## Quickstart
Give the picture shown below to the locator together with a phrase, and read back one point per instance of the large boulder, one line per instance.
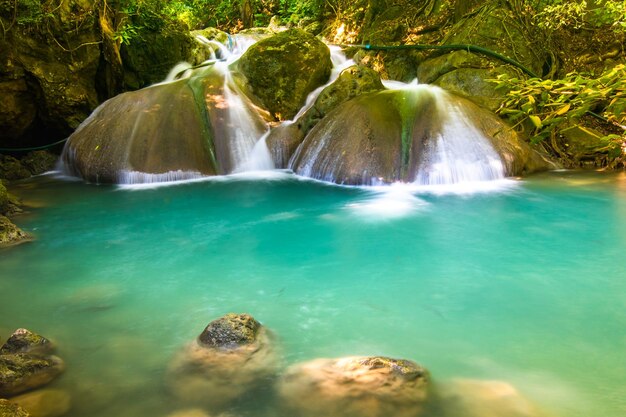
(352, 82)
(355, 387)
(22, 372)
(232, 356)
(283, 69)
(405, 135)
(25, 341)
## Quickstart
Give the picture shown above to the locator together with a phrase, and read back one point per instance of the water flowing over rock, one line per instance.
(355, 387)
(416, 133)
(22, 372)
(232, 356)
(187, 128)
(283, 69)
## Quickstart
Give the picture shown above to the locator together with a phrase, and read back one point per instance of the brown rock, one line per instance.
(355, 387)
(44, 403)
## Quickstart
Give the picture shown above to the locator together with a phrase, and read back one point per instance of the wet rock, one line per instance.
(232, 356)
(476, 398)
(38, 162)
(283, 69)
(8, 409)
(190, 412)
(355, 387)
(25, 341)
(22, 372)
(4, 198)
(396, 135)
(12, 169)
(44, 403)
(352, 82)
(10, 234)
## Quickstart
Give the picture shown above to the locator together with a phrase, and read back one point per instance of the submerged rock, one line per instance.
(8, 409)
(44, 403)
(25, 341)
(476, 398)
(22, 372)
(355, 387)
(231, 357)
(283, 69)
(417, 134)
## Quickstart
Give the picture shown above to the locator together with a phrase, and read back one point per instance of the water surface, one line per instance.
(525, 284)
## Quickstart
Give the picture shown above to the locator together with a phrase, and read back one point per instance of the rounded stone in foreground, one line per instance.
(233, 356)
(23, 341)
(44, 403)
(22, 372)
(355, 387)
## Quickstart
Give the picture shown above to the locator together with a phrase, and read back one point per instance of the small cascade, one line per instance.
(259, 158)
(340, 62)
(460, 153)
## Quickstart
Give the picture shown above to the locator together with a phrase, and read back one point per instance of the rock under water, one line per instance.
(233, 356)
(355, 387)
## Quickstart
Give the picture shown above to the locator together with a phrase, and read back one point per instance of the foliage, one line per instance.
(579, 14)
(552, 105)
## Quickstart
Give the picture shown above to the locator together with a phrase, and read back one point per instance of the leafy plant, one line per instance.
(550, 105)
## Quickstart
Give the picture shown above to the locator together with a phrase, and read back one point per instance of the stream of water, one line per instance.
(523, 283)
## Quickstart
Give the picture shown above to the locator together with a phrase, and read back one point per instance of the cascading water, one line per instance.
(458, 153)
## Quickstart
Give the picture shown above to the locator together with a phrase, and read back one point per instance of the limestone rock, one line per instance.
(25, 341)
(352, 82)
(283, 69)
(476, 398)
(44, 402)
(10, 234)
(12, 169)
(22, 372)
(8, 409)
(231, 357)
(4, 198)
(230, 331)
(391, 136)
(38, 162)
(355, 387)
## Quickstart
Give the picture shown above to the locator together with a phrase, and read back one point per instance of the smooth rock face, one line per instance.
(21, 372)
(231, 357)
(8, 409)
(395, 135)
(476, 398)
(44, 403)
(25, 341)
(355, 387)
(283, 69)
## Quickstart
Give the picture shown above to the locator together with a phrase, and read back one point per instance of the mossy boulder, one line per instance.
(233, 356)
(23, 371)
(4, 198)
(284, 68)
(352, 82)
(25, 341)
(170, 46)
(9, 409)
(230, 331)
(10, 234)
(355, 387)
(38, 162)
(399, 135)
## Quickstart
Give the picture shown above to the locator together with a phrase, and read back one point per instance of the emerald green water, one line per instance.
(526, 284)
